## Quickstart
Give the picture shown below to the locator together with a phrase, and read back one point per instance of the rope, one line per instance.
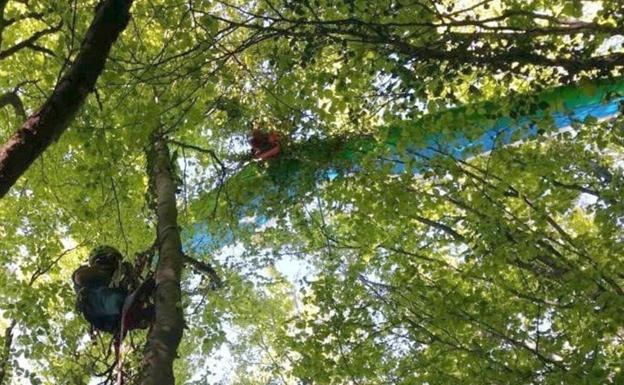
(119, 351)
(128, 303)
(119, 359)
(141, 263)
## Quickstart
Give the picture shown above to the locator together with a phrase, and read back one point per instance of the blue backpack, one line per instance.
(99, 294)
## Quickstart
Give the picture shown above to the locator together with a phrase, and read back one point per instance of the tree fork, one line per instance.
(52, 119)
(166, 332)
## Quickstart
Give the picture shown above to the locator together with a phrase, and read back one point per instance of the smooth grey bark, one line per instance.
(166, 332)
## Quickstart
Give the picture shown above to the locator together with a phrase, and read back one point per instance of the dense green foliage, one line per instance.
(506, 268)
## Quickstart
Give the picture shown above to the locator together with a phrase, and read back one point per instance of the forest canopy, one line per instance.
(329, 192)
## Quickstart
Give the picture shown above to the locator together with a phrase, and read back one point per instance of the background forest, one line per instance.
(331, 263)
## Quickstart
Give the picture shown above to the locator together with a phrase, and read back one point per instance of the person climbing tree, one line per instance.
(108, 287)
(264, 145)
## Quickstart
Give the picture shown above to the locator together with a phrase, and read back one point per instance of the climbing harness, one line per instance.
(115, 296)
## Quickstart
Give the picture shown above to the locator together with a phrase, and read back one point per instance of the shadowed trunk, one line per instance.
(166, 333)
(6, 352)
(46, 125)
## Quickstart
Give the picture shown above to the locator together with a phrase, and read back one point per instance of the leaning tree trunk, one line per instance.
(52, 119)
(166, 333)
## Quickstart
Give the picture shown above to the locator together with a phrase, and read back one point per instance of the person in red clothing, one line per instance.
(264, 145)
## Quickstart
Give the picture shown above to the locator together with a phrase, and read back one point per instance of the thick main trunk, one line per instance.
(54, 116)
(166, 332)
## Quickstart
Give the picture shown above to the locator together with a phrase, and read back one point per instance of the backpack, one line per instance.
(101, 306)
(100, 293)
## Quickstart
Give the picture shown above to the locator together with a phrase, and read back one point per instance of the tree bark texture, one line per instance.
(166, 332)
(52, 119)
(6, 352)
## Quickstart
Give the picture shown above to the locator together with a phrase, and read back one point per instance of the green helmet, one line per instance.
(105, 255)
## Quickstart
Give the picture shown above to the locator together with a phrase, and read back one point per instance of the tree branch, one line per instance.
(46, 125)
(6, 350)
(30, 42)
(14, 100)
(205, 268)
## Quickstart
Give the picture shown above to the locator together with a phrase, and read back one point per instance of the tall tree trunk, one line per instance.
(46, 125)
(6, 352)
(166, 333)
